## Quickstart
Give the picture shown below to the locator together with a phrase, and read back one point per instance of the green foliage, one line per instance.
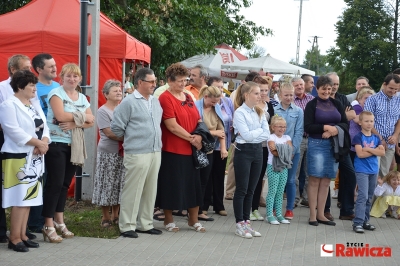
(316, 62)
(178, 29)
(364, 44)
(11, 5)
(255, 52)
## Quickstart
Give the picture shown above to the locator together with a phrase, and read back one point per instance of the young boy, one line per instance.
(368, 146)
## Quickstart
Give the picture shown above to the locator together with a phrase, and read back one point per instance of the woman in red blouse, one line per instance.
(178, 180)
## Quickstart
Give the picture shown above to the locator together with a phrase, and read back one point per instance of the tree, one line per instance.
(255, 52)
(11, 5)
(364, 46)
(178, 29)
(314, 61)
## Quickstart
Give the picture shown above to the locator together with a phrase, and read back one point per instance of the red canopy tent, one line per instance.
(48, 26)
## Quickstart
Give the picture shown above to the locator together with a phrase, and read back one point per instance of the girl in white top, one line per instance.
(276, 180)
(388, 193)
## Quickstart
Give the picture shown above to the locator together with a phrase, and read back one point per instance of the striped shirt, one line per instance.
(302, 102)
(386, 111)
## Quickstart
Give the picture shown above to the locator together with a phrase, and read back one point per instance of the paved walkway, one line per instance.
(294, 244)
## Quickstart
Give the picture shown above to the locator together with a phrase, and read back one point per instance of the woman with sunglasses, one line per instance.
(179, 180)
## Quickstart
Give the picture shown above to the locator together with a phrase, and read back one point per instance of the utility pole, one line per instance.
(298, 32)
(314, 45)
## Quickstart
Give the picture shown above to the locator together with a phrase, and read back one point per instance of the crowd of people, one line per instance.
(164, 152)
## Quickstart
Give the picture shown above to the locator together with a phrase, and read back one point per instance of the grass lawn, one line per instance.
(83, 219)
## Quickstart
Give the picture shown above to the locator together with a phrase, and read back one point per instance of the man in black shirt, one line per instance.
(347, 177)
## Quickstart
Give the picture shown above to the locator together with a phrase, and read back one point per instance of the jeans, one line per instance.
(59, 175)
(291, 183)
(366, 186)
(248, 161)
(258, 190)
(347, 185)
(302, 180)
(301, 174)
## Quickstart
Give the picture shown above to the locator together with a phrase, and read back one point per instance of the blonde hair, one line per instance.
(276, 118)
(364, 90)
(364, 113)
(242, 90)
(285, 85)
(391, 175)
(209, 91)
(73, 69)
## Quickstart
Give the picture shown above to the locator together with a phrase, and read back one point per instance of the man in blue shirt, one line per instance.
(385, 106)
(45, 66)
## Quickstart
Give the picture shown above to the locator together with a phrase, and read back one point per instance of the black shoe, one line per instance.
(30, 235)
(209, 219)
(130, 234)
(4, 239)
(35, 230)
(315, 223)
(152, 231)
(326, 222)
(19, 247)
(30, 244)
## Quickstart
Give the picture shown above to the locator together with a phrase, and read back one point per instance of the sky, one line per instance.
(282, 16)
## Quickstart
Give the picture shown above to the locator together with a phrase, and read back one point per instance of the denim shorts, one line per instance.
(320, 160)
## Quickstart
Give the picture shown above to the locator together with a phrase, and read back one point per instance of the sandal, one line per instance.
(368, 226)
(159, 216)
(115, 220)
(171, 227)
(106, 223)
(47, 233)
(63, 230)
(197, 227)
(179, 213)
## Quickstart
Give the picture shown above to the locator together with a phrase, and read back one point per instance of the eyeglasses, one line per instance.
(188, 101)
(281, 127)
(150, 81)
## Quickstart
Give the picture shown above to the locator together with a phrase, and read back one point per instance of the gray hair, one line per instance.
(141, 75)
(109, 84)
(295, 79)
(13, 62)
(332, 74)
(203, 70)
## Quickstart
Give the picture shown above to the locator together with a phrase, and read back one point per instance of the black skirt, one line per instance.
(179, 186)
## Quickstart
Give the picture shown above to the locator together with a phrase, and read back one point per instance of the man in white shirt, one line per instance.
(360, 82)
(15, 63)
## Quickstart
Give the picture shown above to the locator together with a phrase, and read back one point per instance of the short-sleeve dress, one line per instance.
(179, 185)
(110, 171)
(22, 172)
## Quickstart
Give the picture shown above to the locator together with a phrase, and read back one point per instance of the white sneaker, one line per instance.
(256, 214)
(252, 217)
(383, 216)
(272, 220)
(251, 230)
(242, 231)
(282, 220)
(335, 194)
